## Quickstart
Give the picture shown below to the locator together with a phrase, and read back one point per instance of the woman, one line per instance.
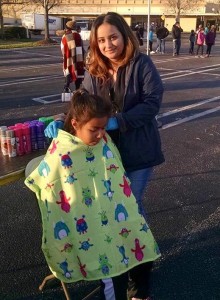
(210, 40)
(116, 69)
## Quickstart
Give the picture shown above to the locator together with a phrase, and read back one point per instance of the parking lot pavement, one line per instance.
(182, 199)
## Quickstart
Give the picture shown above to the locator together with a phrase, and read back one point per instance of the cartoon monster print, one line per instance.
(104, 218)
(61, 230)
(87, 197)
(67, 248)
(43, 169)
(66, 161)
(85, 245)
(126, 187)
(64, 267)
(156, 248)
(30, 180)
(92, 173)
(64, 201)
(121, 213)
(70, 178)
(124, 232)
(139, 254)
(81, 225)
(112, 168)
(106, 152)
(125, 259)
(89, 154)
(53, 146)
(104, 264)
(108, 239)
(47, 208)
(49, 185)
(144, 227)
(81, 267)
(109, 193)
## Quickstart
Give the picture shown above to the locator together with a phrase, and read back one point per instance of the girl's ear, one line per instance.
(74, 123)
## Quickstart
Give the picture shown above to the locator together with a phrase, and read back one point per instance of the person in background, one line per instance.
(207, 28)
(90, 201)
(138, 35)
(200, 39)
(151, 39)
(192, 38)
(176, 34)
(118, 71)
(73, 56)
(210, 40)
(162, 32)
(141, 30)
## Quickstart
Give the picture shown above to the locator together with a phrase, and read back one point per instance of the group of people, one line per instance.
(162, 33)
(200, 38)
(197, 38)
(100, 162)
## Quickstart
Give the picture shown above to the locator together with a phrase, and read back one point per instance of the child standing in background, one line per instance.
(200, 39)
(91, 225)
(192, 39)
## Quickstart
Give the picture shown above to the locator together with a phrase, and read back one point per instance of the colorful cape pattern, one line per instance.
(91, 225)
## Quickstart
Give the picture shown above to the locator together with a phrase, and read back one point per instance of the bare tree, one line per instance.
(1, 20)
(47, 5)
(178, 7)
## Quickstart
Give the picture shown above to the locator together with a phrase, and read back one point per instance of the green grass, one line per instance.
(17, 43)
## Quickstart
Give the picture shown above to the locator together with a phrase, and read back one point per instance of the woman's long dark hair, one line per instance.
(98, 65)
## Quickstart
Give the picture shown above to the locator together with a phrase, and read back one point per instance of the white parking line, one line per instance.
(172, 59)
(177, 110)
(212, 74)
(32, 67)
(187, 119)
(41, 99)
(26, 80)
(190, 72)
(174, 72)
(36, 53)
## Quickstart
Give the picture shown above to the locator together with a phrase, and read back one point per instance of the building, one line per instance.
(134, 11)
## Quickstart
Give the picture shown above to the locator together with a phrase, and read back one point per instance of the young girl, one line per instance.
(200, 39)
(91, 225)
(192, 39)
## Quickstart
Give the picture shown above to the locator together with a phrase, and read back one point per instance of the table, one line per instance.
(12, 168)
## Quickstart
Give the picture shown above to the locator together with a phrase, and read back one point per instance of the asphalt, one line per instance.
(182, 199)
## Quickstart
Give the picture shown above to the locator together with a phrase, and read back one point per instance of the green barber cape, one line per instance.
(91, 225)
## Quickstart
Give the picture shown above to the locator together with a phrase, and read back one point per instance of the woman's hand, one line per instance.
(51, 130)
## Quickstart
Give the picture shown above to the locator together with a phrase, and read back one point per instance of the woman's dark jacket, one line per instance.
(210, 37)
(142, 90)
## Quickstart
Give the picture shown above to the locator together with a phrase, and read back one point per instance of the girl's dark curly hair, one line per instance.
(84, 107)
